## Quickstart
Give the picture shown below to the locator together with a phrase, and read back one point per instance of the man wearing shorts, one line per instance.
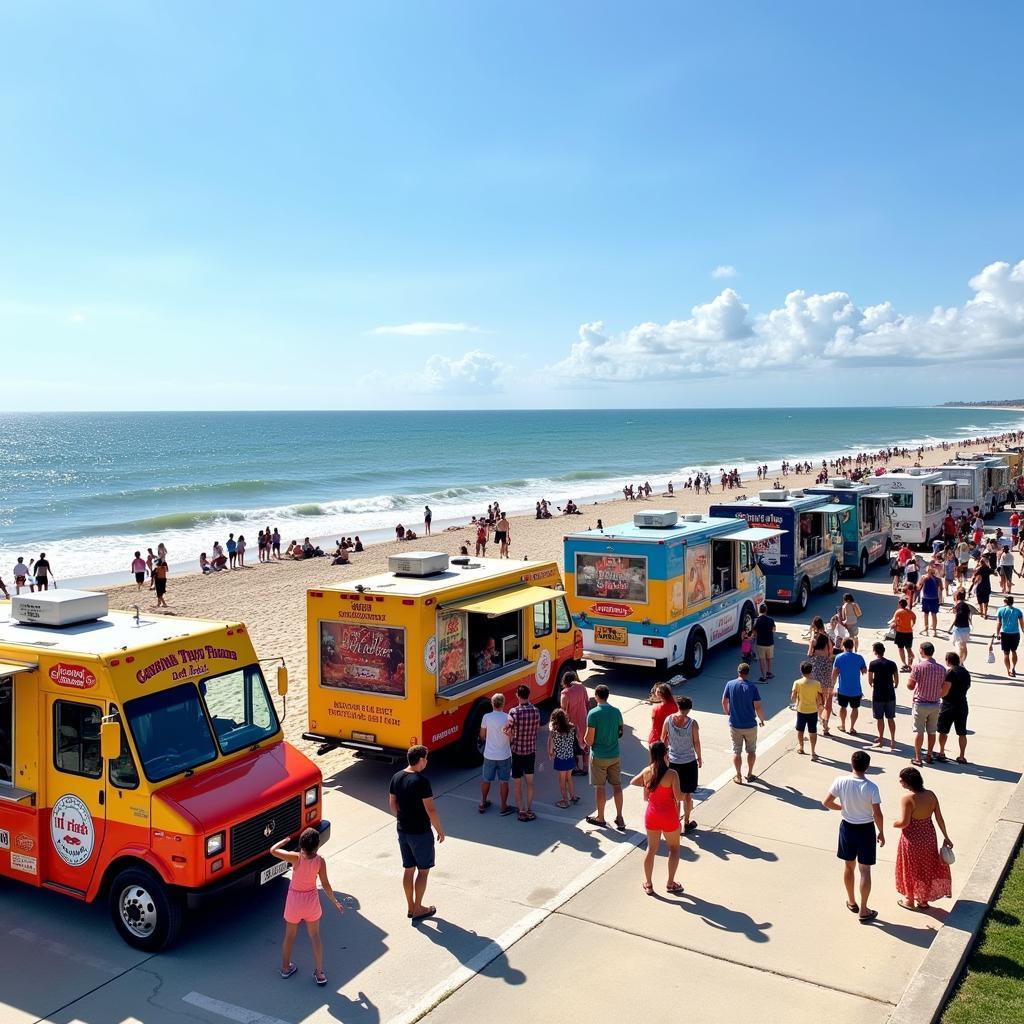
(928, 683)
(411, 800)
(521, 730)
(902, 623)
(741, 701)
(497, 754)
(21, 577)
(953, 713)
(1008, 621)
(604, 730)
(846, 671)
(42, 570)
(764, 638)
(860, 831)
(883, 678)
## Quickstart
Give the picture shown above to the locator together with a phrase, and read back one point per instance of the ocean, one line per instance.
(91, 488)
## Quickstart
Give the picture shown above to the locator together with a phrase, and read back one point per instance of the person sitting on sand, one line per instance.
(399, 532)
(358, 544)
(204, 564)
(410, 535)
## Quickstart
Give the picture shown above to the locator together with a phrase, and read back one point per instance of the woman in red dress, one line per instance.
(664, 706)
(921, 873)
(661, 791)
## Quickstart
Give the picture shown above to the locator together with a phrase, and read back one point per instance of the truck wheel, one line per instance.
(469, 752)
(146, 913)
(863, 568)
(746, 621)
(888, 550)
(833, 579)
(803, 596)
(696, 654)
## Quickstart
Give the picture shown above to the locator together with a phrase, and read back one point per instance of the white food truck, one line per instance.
(919, 499)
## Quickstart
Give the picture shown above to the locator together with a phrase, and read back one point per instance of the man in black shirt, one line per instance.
(953, 713)
(764, 638)
(883, 678)
(412, 802)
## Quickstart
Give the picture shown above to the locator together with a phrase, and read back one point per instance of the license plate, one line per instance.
(611, 635)
(273, 871)
(364, 737)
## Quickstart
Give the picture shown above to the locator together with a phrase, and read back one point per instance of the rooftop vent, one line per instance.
(657, 519)
(418, 563)
(692, 517)
(840, 482)
(58, 607)
(774, 495)
(797, 494)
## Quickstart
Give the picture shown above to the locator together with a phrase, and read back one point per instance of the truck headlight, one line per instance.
(215, 844)
(311, 795)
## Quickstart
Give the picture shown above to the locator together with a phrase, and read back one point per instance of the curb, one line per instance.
(926, 996)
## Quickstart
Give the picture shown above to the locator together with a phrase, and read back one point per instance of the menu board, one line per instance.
(613, 577)
(452, 649)
(366, 658)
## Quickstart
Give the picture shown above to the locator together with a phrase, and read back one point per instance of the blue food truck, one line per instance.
(867, 530)
(808, 555)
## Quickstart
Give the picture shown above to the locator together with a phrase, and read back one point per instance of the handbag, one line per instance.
(947, 855)
(890, 634)
(991, 653)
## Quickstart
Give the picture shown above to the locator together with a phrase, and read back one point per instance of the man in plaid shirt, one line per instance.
(523, 723)
(928, 684)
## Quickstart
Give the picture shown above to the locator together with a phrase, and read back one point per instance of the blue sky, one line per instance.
(467, 204)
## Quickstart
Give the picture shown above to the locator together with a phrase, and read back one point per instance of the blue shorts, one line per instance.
(883, 709)
(808, 720)
(417, 849)
(500, 771)
(929, 605)
(857, 842)
(564, 764)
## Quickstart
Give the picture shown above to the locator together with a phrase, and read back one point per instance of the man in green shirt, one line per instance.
(604, 730)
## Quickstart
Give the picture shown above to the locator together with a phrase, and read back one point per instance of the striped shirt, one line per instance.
(523, 723)
(928, 677)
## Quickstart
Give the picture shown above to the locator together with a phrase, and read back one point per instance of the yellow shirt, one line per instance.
(806, 691)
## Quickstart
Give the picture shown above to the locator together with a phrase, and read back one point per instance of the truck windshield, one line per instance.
(171, 732)
(240, 708)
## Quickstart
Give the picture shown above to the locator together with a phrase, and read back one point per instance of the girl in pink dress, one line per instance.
(303, 902)
(921, 873)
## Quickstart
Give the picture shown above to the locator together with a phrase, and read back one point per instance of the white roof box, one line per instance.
(777, 494)
(418, 563)
(58, 607)
(839, 482)
(656, 519)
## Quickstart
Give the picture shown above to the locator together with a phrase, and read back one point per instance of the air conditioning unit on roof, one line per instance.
(840, 481)
(656, 519)
(773, 495)
(58, 607)
(418, 563)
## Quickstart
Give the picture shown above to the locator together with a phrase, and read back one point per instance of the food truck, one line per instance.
(807, 555)
(1014, 456)
(919, 501)
(413, 655)
(867, 529)
(661, 591)
(141, 760)
(997, 477)
(971, 479)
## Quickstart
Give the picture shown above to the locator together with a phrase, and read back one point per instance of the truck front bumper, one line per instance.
(248, 876)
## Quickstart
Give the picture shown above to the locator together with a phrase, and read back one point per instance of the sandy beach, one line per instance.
(270, 597)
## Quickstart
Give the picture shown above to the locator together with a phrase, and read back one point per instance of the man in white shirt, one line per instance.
(860, 803)
(497, 754)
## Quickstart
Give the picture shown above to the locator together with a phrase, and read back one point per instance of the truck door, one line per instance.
(835, 531)
(19, 818)
(543, 653)
(76, 790)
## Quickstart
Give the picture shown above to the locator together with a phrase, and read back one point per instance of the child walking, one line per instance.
(562, 751)
(806, 695)
(303, 903)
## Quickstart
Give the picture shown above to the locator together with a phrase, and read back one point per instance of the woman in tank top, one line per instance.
(681, 736)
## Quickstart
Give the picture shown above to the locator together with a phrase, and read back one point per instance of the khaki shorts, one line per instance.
(604, 770)
(926, 718)
(765, 650)
(741, 737)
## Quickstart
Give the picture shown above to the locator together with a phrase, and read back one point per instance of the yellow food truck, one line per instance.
(413, 655)
(141, 760)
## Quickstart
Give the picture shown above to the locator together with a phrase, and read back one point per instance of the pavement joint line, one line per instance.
(239, 1014)
(728, 960)
(508, 938)
(96, 988)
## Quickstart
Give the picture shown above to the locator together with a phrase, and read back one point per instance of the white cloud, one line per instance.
(473, 371)
(426, 328)
(722, 337)
(724, 270)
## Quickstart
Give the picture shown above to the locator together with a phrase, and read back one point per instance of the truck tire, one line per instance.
(862, 569)
(469, 753)
(803, 596)
(696, 653)
(888, 550)
(833, 579)
(146, 912)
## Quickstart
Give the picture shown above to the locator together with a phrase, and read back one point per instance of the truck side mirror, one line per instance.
(110, 740)
(282, 680)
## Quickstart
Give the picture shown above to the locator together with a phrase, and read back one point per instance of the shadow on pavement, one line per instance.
(723, 919)
(726, 846)
(465, 945)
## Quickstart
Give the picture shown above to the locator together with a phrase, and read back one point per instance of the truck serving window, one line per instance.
(903, 499)
(240, 708)
(170, 730)
(76, 746)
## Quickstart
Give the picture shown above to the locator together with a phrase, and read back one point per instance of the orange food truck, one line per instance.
(413, 655)
(141, 760)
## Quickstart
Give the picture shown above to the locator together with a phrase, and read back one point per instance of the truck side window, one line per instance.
(541, 619)
(563, 620)
(76, 740)
(122, 772)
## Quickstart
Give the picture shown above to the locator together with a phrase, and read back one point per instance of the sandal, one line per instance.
(853, 908)
(648, 888)
(562, 803)
(928, 758)
(319, 977)
(505, 811)
(941, 758)
(574, 800)
(906, 905)
(620, 823)
(869, 916)
(962, 760)
(291, 970)
(917, 764)
(675, 887)
(592, 820)
(429, 912)
(528, 816)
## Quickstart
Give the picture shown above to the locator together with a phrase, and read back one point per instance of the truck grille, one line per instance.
(249, 838)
